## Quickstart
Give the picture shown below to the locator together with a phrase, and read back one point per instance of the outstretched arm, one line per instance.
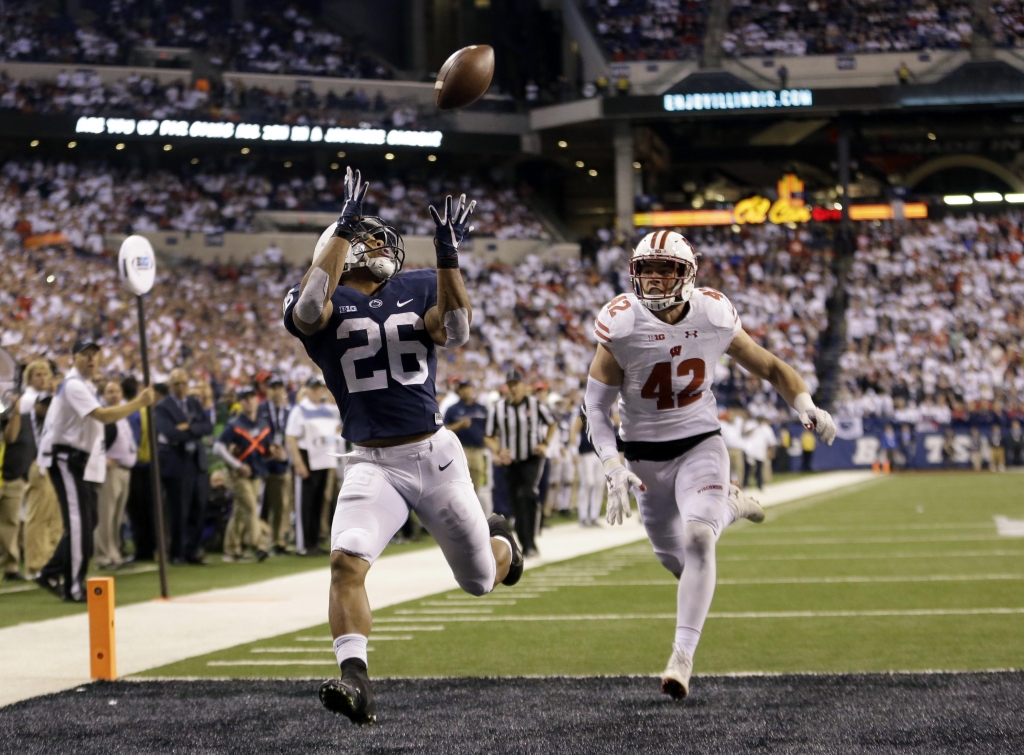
(765, 365)
(448, 321)
(314, 308)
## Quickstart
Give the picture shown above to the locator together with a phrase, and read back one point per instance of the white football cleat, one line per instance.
(676, 679)
(743, 506)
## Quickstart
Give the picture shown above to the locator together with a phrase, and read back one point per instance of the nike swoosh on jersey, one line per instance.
(441, 469)
(403, 303)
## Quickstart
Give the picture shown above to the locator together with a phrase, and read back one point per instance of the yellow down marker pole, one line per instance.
(102, 654)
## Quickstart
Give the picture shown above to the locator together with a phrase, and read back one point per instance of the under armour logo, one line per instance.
(690, 333)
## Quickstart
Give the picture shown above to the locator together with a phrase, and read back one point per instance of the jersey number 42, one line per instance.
(659, 384)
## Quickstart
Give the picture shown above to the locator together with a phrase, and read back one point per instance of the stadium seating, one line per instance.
(84, 202)
(288, 40)
(649, 29)
(934, 324)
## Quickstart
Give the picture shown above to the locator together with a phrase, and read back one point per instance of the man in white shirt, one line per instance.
(72, 449)
(759, 439)
(119, 442)
(311, 435)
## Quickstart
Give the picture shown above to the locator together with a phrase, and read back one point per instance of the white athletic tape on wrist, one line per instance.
(803, 403)
(311, 301)
(456, 327)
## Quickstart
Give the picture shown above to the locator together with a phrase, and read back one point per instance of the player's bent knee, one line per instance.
(477, 587)
(355, 542)
(347, 568)
(700, 540)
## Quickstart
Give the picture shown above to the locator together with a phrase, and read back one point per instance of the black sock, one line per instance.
(354, 666)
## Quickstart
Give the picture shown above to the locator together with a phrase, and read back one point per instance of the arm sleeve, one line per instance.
(293, 427)
(599, 402)
(545, 414)
(80, 398)
(221, 450)
(489, 422)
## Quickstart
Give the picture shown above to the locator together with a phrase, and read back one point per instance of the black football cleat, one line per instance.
(352, 695)
(500, 528)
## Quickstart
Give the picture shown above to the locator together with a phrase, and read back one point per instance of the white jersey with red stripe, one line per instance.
(666, 389)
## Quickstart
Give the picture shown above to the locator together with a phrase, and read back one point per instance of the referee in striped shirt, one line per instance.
(518, 431)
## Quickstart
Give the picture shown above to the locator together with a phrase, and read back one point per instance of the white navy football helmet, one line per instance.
(370, 234)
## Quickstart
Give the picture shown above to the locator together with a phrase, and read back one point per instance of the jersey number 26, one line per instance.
(378, 379)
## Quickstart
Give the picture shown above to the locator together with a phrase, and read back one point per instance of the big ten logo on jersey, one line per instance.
(659, 385)
(407, 360)
(345, 308)
(656, 337)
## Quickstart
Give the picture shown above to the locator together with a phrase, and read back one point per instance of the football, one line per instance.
(464, 77)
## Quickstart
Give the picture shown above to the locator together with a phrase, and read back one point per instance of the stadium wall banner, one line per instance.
(98, 125)
(925, 452)
(786, 98)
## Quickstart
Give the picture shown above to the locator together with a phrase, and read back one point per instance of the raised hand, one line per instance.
(451, 229)
(352, 209)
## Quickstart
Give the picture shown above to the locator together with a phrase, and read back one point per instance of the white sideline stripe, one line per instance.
(486, 601)
(276, 663)
(863, 541)
(329, 651)
(861, 528)
(375, 634)
(445, 611)
(53, 655)
(754, 615)
(809, 580)
(450, 603)
(874, 556)
(19, 588)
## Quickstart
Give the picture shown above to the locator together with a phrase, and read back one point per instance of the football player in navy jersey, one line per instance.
(373, 330)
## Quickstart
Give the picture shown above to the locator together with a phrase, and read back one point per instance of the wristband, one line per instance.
(448, 262)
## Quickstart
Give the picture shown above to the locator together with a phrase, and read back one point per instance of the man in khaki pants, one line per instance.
(113, 495)
(245, 446)
(43, 523)
(277, 503)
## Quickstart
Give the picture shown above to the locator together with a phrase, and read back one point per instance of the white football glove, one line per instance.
(814, 419)
(619, 481)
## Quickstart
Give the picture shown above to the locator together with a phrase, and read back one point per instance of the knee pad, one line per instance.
(355, 542)
(670, 556)
(707, 510)
(700, 539)
(476, 587)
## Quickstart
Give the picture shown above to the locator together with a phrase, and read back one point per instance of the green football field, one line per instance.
(905, 573)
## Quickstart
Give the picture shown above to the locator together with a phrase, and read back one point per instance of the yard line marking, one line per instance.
(375, 633)
(449, 603)
(862, 556)
(810, 580)
(275, 663)
(758, 615)
(445, 611)
(1007, 527)
(19, 588)
(291, 650)
(861, 527)
(867, 540)
(484, 599)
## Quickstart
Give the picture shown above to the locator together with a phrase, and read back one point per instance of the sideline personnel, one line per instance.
(72, 449)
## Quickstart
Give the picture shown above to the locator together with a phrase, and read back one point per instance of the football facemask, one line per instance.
(372, 236)
(659, 286)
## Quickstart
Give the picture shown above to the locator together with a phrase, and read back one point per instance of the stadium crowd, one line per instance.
(82, 93)
(935, 324)
(649, 29)
(824, 27)
(85, 201)
(271, 39)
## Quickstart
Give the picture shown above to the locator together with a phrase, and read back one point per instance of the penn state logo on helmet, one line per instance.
(376, 246)
(663, 270)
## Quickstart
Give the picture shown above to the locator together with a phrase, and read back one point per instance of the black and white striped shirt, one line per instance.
(519, 427)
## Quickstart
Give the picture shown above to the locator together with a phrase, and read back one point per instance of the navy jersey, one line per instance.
(377, 358)
(251, 440)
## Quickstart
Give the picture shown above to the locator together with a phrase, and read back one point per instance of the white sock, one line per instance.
(687, 639)
(350, 646)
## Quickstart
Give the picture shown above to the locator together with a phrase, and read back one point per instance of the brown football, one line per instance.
(464, 77)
